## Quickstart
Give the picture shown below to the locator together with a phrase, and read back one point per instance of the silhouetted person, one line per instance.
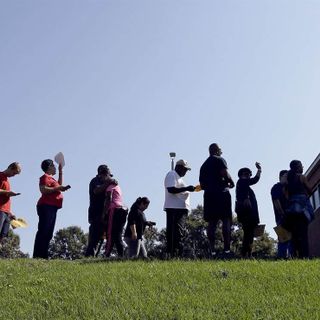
(97, 193)
(216, 181)
(279, 195)
(247, 207)
(299, 212)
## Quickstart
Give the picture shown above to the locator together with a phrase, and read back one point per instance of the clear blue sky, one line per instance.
(126, 82)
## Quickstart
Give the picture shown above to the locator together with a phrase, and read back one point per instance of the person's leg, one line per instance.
(282, 250)
(117, 229)
(250, 239)
(211, 233)
(143, 250)
(3, 218)
(226, 233)
(169, 231)
(133, 248)
(245, 241)
(179, 230)
(110, 240)
(95, 235)
(248, 232)
(226, 212)
(302, 237)
(47, 219)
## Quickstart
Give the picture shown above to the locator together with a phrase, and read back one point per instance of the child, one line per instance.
(137, 223)
(247, 207)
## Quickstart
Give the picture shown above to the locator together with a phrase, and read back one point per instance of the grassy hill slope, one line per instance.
(159, 290)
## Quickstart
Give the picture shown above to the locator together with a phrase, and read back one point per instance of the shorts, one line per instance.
(217, 205)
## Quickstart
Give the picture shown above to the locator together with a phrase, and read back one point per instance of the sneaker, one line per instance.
(228, 254)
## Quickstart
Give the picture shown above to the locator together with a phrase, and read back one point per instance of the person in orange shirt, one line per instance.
(5, 198)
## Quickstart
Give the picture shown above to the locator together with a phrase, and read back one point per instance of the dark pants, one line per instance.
(95, 235)
(115, 238)
(47, 219)
(136, 248)
(4, 224)
(297, 224)
(226, 232)
(176, 219)
(248, 234)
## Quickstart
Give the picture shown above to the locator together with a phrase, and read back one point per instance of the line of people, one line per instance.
(292, 207)
(107, 215)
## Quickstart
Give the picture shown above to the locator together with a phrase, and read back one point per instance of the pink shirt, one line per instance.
(116, 201)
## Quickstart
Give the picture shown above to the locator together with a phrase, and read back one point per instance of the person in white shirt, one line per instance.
(177, 206)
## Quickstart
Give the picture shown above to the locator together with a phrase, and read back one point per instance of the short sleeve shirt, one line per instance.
(277, 193)
(53, 199)
(138, 218)
(5, 203)
(175, 200)
(96, 200)
(210, 174)
(116, 201)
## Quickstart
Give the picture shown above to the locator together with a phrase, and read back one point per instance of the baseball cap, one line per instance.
(183, 163)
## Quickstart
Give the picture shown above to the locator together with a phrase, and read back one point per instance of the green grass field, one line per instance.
(160, 289)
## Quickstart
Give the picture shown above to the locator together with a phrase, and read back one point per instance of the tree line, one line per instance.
(70, 243)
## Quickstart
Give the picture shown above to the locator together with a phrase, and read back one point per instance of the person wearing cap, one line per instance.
(97, 194)
(215, 180)
(5, 198)
(47, 207)
(247, 207)
(177, 206)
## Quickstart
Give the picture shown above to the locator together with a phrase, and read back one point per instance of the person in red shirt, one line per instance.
(47, 207)
(5, 198)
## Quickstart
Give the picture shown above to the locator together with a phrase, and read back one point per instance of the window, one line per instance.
(316, 198)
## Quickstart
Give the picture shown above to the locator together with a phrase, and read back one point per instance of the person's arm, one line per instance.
(102, 187)
(278, 207)
(47, 190)
(9, 193)
(256, 178)
(170, 183)
(60, 179)
(225, 174)
(134, 235)
(227, 178)
(44, 189)
(175, 190)
(150, 224)
(107, 202)
(306, 184)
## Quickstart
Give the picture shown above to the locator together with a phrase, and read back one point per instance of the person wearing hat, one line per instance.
(177, 206)
(215, 180)
(247, 207)
(5, 198)
(97, 194)
(47, 207)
